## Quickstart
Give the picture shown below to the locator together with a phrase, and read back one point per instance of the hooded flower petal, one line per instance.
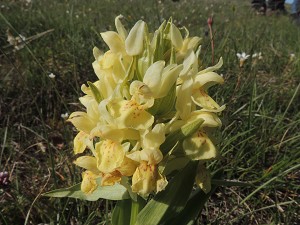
(81, 141)
(160, 79)
(176, 37)
(135, 41)
(88, 163)
(82, 121)
(114, 41)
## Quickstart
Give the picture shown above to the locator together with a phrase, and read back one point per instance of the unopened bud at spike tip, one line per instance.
(210, 21)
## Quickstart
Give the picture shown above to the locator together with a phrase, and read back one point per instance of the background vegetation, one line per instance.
(259, 139)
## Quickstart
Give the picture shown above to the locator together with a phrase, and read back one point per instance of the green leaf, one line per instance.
(169, 202)
(180, 135)
(194, 206)
(115, 192)
(230, 183)
(96, 93)
(174, 163)
(122, 213)
(192, 209)
(126, 211)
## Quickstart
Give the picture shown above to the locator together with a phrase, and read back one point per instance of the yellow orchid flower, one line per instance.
(210, 120)
(193, 86)
(183, 45)
(109, 155)
(202, 81)
(81, 141)
(147, 179)
(130, 113)
(86, 121)
(200, 147)
(111, 68)
(184, 104)
(160, 79)
(82, 121)
(187, 45)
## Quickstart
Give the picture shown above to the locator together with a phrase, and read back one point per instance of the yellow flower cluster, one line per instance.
(149, 85)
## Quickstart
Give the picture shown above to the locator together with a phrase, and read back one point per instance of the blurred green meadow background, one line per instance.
(259, 139)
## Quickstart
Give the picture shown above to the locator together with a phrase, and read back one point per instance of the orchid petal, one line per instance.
(120, 28)
(113, 40)
(88, 163)
(176, 37)
(134, 42)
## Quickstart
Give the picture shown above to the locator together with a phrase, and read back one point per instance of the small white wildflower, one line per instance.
(77, 16)
(292, 56)
(257, 55)
(67, 11)
(242, 57)
(64, 115)
(51, 75)
(2, 6)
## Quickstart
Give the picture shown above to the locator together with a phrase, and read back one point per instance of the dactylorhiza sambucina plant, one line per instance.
(148, 121)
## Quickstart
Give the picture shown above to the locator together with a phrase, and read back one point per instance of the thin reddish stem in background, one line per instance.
(210, 23)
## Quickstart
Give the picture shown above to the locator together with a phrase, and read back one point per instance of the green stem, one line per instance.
(136, 207)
